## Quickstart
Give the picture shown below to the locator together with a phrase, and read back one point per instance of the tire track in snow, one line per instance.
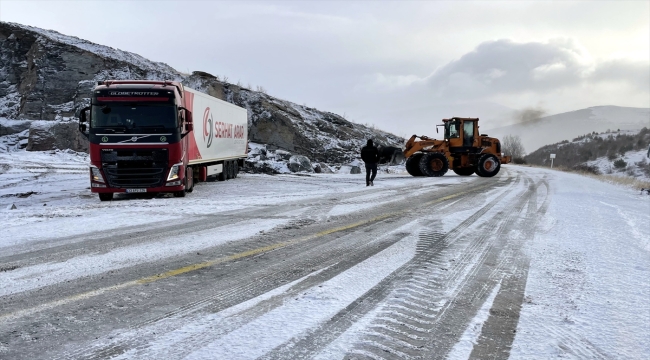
(426, 256)
(477, 187)
(567, 340)
(499, 329)
(338, 250)
(211, 304)
(400, 320)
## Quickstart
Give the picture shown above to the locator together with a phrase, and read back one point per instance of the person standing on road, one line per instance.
(370, 156)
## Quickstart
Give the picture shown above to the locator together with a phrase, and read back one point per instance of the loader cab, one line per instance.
(469, 132)
(461, 132)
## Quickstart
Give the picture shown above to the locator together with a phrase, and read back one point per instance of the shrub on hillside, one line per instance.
(620, 164)
(519, 161)
(587, 168)
(625, 148)
(644, 166)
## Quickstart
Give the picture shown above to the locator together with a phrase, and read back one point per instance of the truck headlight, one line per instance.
(96, 175)
(173, 172)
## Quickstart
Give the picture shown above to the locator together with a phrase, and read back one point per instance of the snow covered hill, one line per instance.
(620, 153)
(566, 126)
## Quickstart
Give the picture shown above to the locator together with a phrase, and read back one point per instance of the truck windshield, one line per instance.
(451, 129)
(130, 116)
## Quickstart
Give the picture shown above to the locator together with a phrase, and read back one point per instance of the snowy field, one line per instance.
(587, 294)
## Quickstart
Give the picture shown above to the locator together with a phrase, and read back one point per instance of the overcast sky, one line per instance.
(400, 65)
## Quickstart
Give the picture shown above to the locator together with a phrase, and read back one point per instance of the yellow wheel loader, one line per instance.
(462, 149)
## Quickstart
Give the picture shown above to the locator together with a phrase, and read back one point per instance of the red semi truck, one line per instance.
(143, 140)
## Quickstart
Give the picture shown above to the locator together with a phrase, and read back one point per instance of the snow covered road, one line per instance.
(530, 264)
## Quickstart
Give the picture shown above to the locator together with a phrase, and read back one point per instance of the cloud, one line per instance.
(634, 73)
(504, 67)
(385, 83)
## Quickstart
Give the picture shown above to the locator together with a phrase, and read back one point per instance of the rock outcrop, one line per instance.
(10, 127)
(51, 135)
(298, 163)
(46, 74)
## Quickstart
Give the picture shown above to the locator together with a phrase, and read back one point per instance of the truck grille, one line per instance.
(135, 168)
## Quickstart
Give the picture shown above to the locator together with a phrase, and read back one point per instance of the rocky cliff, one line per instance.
(45, 75)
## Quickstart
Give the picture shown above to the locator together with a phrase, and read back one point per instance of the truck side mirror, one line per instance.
(189, 124)
(82, 120)
(82, 114)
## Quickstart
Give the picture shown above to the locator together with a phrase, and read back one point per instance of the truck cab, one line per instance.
(138, 138)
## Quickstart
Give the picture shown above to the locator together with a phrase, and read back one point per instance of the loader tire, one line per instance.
(413, 165)
(434, 164)
(463, 171)
(488, 165)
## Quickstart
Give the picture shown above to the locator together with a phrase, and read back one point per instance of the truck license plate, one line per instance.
(136, 190)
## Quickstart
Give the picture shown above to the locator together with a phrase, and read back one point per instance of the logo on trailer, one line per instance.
(207, 126)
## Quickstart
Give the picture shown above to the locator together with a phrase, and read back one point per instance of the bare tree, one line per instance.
(511, 145)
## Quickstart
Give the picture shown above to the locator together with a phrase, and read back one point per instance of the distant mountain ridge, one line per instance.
(566, 126)
(48, 76)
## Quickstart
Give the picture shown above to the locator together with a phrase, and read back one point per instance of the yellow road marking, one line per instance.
(194, 267)
(183, 270)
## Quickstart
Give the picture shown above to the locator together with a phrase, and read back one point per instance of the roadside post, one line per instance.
(552, 157)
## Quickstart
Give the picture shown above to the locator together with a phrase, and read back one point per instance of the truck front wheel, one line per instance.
(105, 196)
(189, 179)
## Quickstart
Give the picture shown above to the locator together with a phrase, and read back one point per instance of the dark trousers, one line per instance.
(370, 167)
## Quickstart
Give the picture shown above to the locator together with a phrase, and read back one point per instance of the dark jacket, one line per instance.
(369, 154)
